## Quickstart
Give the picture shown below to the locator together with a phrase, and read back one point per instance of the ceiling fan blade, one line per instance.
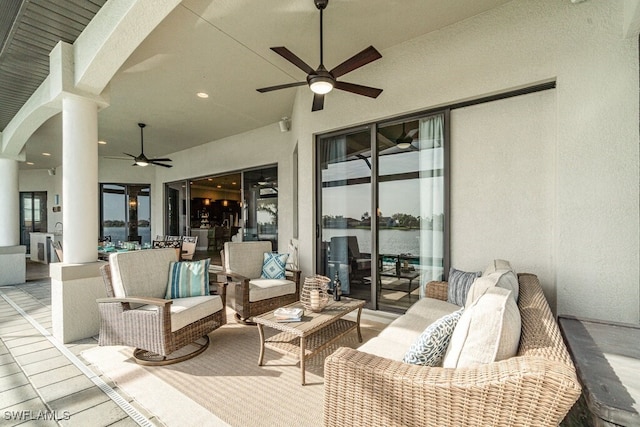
(318, 102)
(161, 160)
(291, 57)
(371, 92)
(370, 54)
(130, 155)
(153, 162)
(284, 86)
(385, 140)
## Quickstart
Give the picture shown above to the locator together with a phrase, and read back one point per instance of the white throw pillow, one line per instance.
(505, 279)
(488, 331)
(498, 264)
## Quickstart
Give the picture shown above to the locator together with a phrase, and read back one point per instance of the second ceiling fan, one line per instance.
(321, 81)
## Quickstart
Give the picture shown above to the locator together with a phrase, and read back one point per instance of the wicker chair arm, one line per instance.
(294, 275)
(437, 290)
(378, 391)
(234, 277)
(137, 300)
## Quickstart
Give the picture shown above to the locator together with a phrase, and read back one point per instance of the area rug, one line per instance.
(224, 385)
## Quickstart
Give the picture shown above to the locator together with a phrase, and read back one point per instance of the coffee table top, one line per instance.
(311, 322)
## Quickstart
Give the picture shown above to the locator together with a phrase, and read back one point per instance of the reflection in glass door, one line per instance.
(125, 212)
(344, 173)
(381, 209)
(33, 215)
(176, 208)
(411, 209)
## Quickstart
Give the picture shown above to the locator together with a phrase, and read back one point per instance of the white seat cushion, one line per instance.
(384, 347)
(261, 289)
(187, 310)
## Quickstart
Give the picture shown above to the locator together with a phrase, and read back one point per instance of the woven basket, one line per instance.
(315, 283)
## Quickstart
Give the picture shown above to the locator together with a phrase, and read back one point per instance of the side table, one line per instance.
(607, 360)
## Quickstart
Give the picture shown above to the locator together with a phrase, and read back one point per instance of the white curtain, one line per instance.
(431, 146)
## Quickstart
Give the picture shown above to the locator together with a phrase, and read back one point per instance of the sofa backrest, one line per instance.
(540, 335)
(245, 258)
(141, 273)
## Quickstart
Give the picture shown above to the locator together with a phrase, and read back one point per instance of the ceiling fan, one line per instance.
(403, 141)
(321, 81)
(142, 160)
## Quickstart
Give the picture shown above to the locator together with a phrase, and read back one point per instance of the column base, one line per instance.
(74, 290)
(13, 265)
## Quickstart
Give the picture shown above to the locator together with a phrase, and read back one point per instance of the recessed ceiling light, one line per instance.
(30, 163)
(202, 95)
(233, 183)
(209, 179)
(46, 154)
(218, 186)
(102, 142)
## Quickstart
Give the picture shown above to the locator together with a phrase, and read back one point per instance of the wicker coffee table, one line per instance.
(313, 333)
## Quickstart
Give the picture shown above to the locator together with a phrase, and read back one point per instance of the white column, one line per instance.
(79, 180)
(9, 203)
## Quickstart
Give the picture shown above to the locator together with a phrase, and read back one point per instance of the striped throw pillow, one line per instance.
(188, 279)
(459, 284)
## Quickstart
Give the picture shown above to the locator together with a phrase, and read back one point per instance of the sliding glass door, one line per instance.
(382, 209)
(411, 201)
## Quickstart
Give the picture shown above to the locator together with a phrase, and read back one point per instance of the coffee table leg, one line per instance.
(358, 325)
(261, 344)
(302, 358)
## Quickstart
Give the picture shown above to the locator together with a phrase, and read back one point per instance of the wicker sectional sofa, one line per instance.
(537, 387)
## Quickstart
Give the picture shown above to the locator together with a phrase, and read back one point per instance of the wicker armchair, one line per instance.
(136, 314)
(537, 387)
(249, 294)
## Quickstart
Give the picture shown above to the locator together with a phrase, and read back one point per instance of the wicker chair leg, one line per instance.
(244, 321)
(147, 358)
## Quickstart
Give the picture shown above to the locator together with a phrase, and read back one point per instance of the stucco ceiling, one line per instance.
(221, 47)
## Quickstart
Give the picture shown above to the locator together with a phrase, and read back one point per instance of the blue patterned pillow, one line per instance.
(459, 284)
(274, 265)
(188, 279)
(429, 348)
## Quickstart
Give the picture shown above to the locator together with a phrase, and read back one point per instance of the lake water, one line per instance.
(391, 241)
(119, 234)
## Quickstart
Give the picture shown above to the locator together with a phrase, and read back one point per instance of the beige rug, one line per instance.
(225, 385)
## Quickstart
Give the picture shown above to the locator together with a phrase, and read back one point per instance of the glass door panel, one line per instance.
(344, 205)
(260, 205)
(33, 215)
(411, 209)
(114, 213)
(176, 209)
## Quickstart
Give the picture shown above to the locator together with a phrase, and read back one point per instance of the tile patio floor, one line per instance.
(41, 379)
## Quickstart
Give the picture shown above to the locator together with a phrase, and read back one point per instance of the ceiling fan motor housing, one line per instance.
(321, 4)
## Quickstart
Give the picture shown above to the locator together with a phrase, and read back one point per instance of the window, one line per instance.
(125, 212)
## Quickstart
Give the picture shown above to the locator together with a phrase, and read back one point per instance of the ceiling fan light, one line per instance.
(141, 163)
(403, 145)
(321, 85)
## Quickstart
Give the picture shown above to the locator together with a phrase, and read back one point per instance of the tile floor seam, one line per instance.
(112, 394)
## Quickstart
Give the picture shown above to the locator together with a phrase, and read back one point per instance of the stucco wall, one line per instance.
(594, 253)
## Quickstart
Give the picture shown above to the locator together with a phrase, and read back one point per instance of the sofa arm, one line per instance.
(437, 290)
(363, 389)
